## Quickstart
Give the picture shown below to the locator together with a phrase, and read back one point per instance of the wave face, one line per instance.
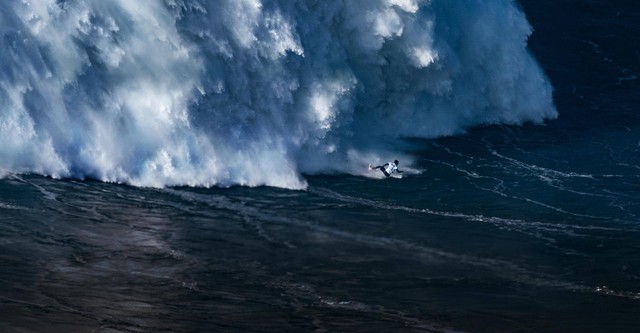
(252, 92)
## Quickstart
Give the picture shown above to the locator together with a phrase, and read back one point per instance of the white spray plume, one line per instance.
(252, 92)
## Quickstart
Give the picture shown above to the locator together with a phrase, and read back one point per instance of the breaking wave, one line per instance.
(252, 92)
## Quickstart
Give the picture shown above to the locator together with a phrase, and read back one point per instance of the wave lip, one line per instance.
(253, 92)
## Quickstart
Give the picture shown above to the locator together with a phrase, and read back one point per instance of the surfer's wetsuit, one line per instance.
(388, 168)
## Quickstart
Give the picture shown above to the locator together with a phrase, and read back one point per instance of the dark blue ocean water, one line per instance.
(507, 228)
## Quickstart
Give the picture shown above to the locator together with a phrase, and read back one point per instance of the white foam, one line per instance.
(252, 92)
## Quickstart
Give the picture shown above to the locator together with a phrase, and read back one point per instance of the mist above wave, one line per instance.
(252, 92)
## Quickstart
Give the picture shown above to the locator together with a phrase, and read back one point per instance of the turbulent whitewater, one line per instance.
(252, 92)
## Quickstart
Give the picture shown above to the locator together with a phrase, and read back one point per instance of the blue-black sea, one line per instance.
(531, 227)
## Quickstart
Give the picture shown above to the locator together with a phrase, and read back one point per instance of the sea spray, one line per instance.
(251, 92)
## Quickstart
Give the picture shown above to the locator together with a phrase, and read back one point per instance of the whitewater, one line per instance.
(253, 92)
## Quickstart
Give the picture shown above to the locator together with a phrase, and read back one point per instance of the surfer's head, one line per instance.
(396, 162)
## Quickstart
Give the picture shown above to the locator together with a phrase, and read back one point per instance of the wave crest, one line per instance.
(252, 92)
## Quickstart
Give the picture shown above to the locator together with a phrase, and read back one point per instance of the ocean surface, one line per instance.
(201, 166)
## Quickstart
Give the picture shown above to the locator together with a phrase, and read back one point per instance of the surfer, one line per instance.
(387, 168)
